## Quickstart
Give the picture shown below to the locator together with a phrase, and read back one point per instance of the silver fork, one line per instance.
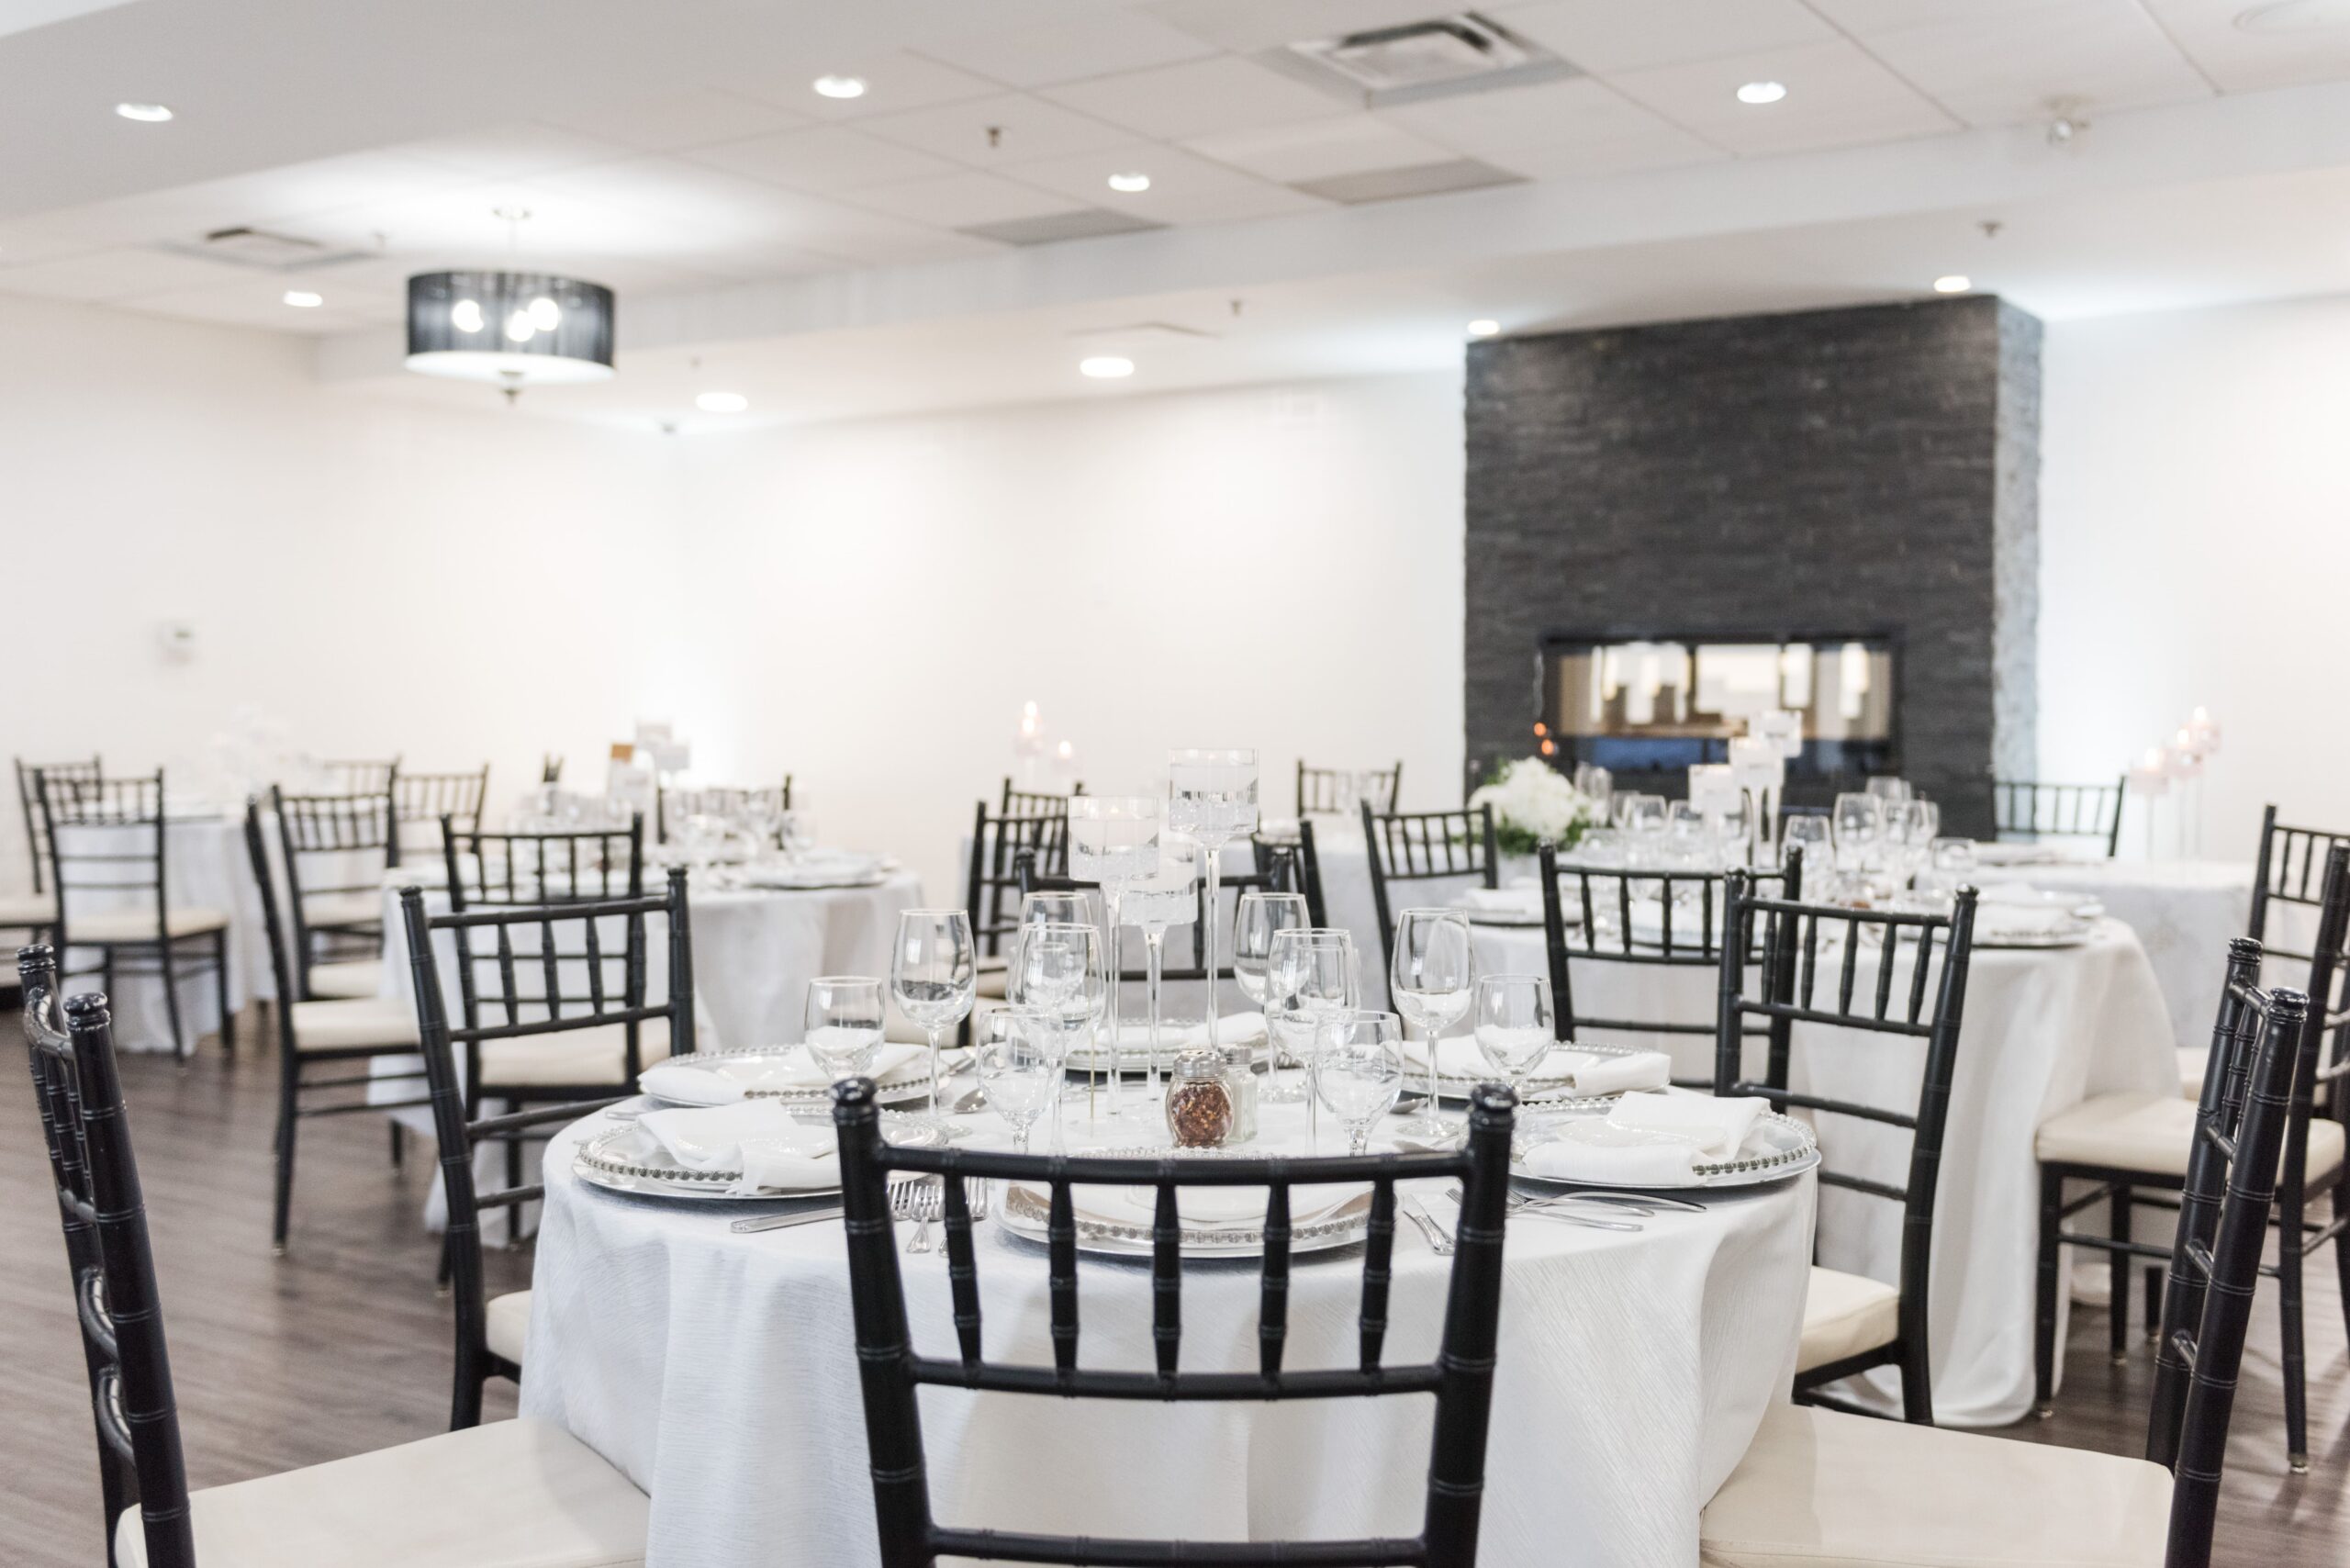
(930, 1203)
(1564, 1217)
(904, 1197)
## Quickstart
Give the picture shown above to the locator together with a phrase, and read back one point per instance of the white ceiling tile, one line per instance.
(822, 158)
(1094, 43)
(1672, 148)
(1200, 97)
(2096, 54)
(261, 303)
(1610, 35)
(1027, 128)
(893, 84)
(1247, 26)
(673, 120)
(267, 197)
(2239, 61)
(1864, 19)
(511, 152)
(1319, 149)
(113, 275)
(1578, 113)
(964, 199)
(1184, 188)
(1837, 96)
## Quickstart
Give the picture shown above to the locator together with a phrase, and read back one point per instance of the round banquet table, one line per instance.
(2183, 911)
(719, 1373)
(2042, 1029)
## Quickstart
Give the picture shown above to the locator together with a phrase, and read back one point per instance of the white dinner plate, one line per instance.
(909, 1081)
(1027, 1213)
(624, 1159)
(1778, 1146)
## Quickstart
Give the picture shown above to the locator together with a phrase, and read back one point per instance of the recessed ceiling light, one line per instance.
(150, 114)
(1105, 366)
(303, 299)
(1761, 91)
(1484, 327)
(1129, 184)
(841, 86)
(1954, 283)
(721, 402)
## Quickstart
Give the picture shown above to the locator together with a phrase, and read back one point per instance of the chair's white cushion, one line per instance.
(2192, 1061)
(992, 982)
(1844, 1315)
(21, 909)
(2153, 1132)
(522, 1493)
(361, 976)
(353, 1021)
(138, 924)
(343, 909)
(571, 1056)
(1823, 1488)
(509, 1328)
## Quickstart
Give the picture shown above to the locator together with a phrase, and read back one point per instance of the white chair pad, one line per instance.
(343, 909)
(361, 976)
(21, 909)
(573, 1056)
(2192, 1061)
(2153, 1132)
(353, 1021)
(991, 982)
(138, 924)
(509, 1328)
(1844, 1315)
(522, 1493)
(1821, 1489)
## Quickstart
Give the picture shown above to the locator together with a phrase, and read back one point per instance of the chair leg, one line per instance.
(2342, 1252)
(2153, 1278)
(289, 1089)
(220, 977)
(399, 1145)
(2118, 1341)
(2043, 1338)
(181, 1046)
(2288, 1314)
(513, 1178)
(1917, 1383)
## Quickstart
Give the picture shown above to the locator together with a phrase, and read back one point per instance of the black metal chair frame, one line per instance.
(992, 890)
(1460, 1378)
(661, 806)
(439, 797)
(29, 775)
(2298, 1235)
(360, 777)
(1787, 956)
(330, 828)
(2290, 858)
(1412, 846)
(1277, 872)
(130, 804)
(2027, 809)
(1305, 859)
(291, 1057)
(541, 867)
(1035, 802)
(1317, 788)
(1672, 948)
(456, 1095)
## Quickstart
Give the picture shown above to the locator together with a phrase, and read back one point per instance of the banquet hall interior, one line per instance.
(1148, 781)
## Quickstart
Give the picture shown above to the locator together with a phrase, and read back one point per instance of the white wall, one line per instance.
(2195, 548)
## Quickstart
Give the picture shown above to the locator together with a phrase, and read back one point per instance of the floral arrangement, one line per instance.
(1533, 803)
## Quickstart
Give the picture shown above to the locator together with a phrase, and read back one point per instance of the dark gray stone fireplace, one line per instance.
(1860, 473)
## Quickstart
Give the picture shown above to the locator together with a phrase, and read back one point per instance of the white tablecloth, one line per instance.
(2183, 911)
(2042, 1030)
(719, 1373)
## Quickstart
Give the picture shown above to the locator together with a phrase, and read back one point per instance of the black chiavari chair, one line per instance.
(36, 912)
(1326, 790)
(2024, 809)
(522, 1491)
(1818, 1487)
(1595, 915)
(776, 801)
(335, 849)
(113, 847)
(2131, 1148)
(558, 1018)
(551, 769)
(427, 799)
(1306, 866)
(1423, 846)
(361, 776)
(992, 890)
(579, 866)
(1460, 1378)
(1034, 803)
(342, 1032)
(1280, 870)
(1852, 1323)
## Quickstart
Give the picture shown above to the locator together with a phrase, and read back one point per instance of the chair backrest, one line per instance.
(1305, 867)
(361, 778)
(1278, 870)
(442, 797)
(714, 798)
(1034, 803)
(321, 837)
(550, 768)
(2241, 1126)
(121, 852)
(28, 798)
(114, 1294)
(291, 977)
(1333, 790)
(1786, 963)
(1598, 915)
(2027, 809)
(560, 979)
(2290, 870)
(992, 892)
(1421, 845)
(586, 866)
(1462, 1376)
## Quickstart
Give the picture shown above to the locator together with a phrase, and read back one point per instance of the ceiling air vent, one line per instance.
(258, 247)
(1461, 53)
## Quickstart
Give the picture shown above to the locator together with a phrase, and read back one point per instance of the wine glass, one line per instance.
(1430, 982)
(1261, 917)
(1912, 827)
(1516, 1025)
(1312, 974)
(1889, 790)
(1169, 896)
(1358, 1070)
(1211, 799)
(934, 975)
(1074, 908)
(1856, 826)
(1807, 830)
(1018, 1069)
(1733, 830)
(1686, 836)
(843, 1022)
(1641, 816)
(1057, 977)
(1113, 839)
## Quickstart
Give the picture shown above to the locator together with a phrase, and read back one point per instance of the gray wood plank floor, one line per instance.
(342, 1346)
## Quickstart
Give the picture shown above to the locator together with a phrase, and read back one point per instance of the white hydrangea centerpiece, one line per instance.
(1533, 803)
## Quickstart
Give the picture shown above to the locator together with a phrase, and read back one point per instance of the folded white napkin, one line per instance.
(723, 1084)
(2020, 855)
(1666, 1163)
(806, 1158)
(1513, 901)
(1232, 1029)
(710, 1138)
(1714, 1126)
(1647, 1140)
(1587, 1072)
(1996, 920)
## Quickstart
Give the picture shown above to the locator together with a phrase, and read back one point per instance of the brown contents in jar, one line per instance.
(1199, 1112)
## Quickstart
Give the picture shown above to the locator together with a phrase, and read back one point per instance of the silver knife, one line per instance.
(785, 1221)
(1438, 1242)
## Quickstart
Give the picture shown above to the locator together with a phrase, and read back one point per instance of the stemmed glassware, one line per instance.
(1430, 981)
(1075, 908)
(1910, 829)
(934, 974)
(1807, 832)
(1113, 840)
(1516, 1025)
(1211, 799)
(1261, 917)
(1057, 978)
(1857, 827)
(1310, 976)
(841, 1023)
(1358, 1070)
(1169, 896)
(1018, 1069)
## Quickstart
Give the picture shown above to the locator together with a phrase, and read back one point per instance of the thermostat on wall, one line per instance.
(178, 639)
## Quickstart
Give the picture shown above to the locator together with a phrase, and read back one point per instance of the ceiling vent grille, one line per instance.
(258, 247)
(1417, 61)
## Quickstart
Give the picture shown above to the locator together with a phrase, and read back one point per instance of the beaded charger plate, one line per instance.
(1546, 1086)
(625, 1159)
(907, 1080)
(1314, 1227)
(1776, 1147)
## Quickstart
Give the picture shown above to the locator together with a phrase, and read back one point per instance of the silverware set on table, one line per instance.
(921, 1199)
(1614, 1212)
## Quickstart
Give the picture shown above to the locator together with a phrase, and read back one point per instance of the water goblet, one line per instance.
(1073, 908)
(841, 1023)
(934, 975)
(1057, 977)
(1808, 831)
(1018, 1069)
(1312, 974)
(1516, 1025)
(1856, 829)
(1358, 1070)
(1430, 981)
(1261, 917)
(1211, 799)
(1113, 839)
